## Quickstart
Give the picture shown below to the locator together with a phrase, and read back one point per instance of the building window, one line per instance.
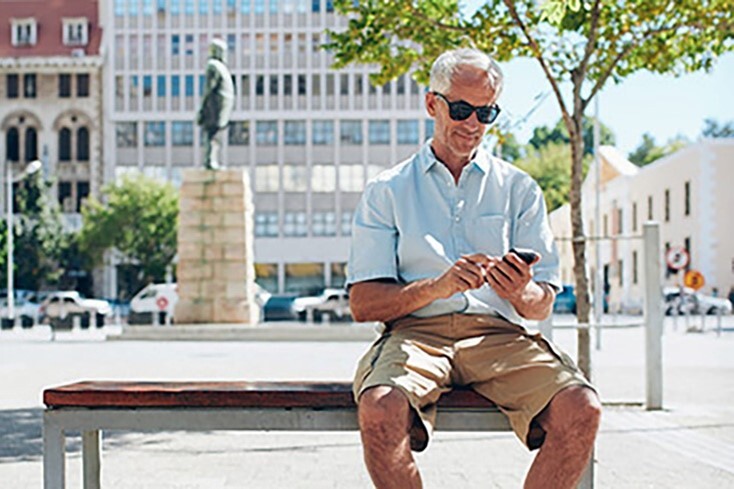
(634, 216)
(346, 225)
(65, 144)
(64, 85)
(189, 85)
(687, 246)
(31, 144)
(126, 134)
(649, 207)
(687, 202)
(12, 145)
(75, 31)
(351, 178)
(266, 224)
(147, 86)
(182, 133)
(161, 86)
(620, 222)
(301, 84)
(82, 192)
(267, 178)
(605, 220)
(65, 196)
(323, 132)
(634, 267)
(667, 205)
(408, 132)
(29, 85)
(259, 85)
(24, 32)
(155, 133)
(295, 133)
(266, 133)
(82, 144)
(294, 224)
(273, 85)
(239, 133)
(12, 86)
(323, 178)
(323, 223)
(430, 123)
(351, 132)
(175, 86)
(379, 132)
(295, 178)
(82, 85)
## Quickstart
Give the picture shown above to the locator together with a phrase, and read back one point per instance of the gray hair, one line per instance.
(445, 67)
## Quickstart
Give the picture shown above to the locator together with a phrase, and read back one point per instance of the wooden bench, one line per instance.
(92, 407)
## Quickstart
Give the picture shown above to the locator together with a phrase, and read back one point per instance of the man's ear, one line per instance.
(431, 104)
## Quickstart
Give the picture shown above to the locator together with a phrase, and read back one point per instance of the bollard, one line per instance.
(76, 322)
(703, 322)
(653, 317)
(718, 322)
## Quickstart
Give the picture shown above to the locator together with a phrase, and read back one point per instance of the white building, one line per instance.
(688, 192)
(310, 136)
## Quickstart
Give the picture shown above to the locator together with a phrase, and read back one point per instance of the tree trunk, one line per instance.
(579, 241)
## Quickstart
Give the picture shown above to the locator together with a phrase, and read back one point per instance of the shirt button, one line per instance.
(457, 219)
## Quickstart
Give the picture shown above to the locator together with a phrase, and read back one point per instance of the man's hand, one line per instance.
(468, 272)
(509, 276)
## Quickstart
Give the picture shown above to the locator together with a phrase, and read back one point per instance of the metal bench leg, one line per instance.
(90, 459)
(54, 454)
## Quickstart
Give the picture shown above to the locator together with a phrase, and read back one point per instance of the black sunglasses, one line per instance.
(461, 110)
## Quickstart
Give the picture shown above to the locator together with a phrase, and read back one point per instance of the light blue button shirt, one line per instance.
(414, 221)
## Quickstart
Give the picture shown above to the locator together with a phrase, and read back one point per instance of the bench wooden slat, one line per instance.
(224, 394)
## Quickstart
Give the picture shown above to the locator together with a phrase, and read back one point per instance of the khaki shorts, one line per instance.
(424, 357)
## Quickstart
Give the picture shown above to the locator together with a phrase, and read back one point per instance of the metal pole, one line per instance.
(9, 195)
(598, 285)
(653, 317)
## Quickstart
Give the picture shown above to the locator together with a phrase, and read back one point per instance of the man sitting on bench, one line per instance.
(434, 257)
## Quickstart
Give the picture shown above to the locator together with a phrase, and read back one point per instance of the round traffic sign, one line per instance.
(162, 303)
(693, 279)
(677, 258)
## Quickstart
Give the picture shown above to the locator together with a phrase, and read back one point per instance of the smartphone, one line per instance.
(526, 255)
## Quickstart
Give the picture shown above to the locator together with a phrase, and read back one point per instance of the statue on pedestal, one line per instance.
(217, 102)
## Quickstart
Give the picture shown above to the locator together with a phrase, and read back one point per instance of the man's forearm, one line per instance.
(385, 301)
(536, 301)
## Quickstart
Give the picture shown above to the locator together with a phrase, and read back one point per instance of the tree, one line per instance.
(542, 135)
(139, 220)
(38, 236)
(585, 44)
(549, 167)
(712, 129)
(648, 151)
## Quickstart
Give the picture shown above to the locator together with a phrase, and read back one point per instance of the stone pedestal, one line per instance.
(215, 272)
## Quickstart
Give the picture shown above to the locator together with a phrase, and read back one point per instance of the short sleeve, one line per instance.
(373, 249)
(533, 231)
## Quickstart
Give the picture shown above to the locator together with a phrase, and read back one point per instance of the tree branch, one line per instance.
(539, 56)
(591, 41)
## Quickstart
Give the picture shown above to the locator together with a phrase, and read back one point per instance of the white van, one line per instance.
(152, 299)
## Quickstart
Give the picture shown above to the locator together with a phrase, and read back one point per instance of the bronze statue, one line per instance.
(217, 103)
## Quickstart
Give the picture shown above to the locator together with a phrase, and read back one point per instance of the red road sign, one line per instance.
(162, 303)
(677, 258)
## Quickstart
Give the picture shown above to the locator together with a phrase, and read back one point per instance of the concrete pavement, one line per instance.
(690, 444)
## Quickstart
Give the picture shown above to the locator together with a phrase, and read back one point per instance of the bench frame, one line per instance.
(60, 419)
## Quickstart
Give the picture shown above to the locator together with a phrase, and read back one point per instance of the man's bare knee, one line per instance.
(574, 411)
(385, 407)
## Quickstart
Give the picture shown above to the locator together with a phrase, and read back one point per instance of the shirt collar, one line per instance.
(482, 158)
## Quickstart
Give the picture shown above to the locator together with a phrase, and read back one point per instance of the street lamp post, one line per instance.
(32, 167)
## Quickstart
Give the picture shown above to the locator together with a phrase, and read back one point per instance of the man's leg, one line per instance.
(385, 418)
(570, 421)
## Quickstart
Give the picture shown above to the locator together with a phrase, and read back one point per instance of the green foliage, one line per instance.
(543, 135)
(139, 220)
(549, 166)
(38, 236)
(648, 151)
(712, 129)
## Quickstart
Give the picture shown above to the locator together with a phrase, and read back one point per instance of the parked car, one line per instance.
(331, 302)
(565, 302)
(25, 309)
(153, 299)
(683, 300)
(60, 308)
(279, 307)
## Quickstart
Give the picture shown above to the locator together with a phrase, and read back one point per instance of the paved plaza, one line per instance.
(689, 444)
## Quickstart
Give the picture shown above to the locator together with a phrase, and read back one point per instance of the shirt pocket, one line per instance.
(491, 235)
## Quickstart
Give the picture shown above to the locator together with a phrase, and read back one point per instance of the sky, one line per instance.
(662, 105)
